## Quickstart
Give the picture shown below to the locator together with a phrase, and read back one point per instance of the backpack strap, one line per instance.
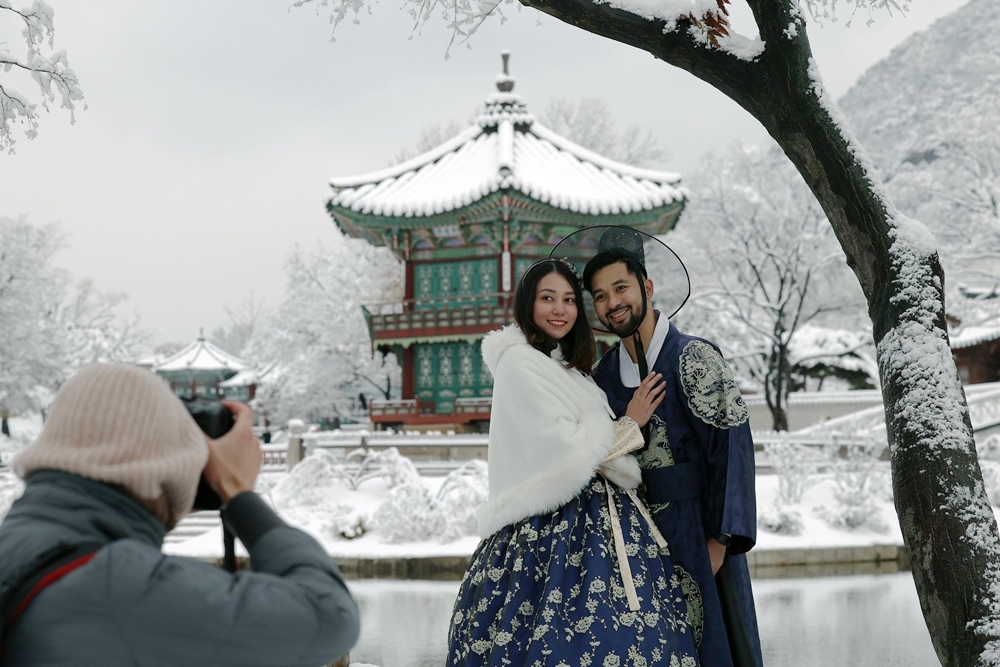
(52, 571)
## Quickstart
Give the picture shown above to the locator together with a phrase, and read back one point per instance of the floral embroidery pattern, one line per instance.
(710, 387)
(547, 591)
(695, 603)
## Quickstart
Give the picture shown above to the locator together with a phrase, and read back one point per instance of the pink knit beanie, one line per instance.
(122, 424)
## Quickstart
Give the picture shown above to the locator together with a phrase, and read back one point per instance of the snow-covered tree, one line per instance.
(955, 559)
(48, 328)
(589, 123)
(951, 179)
(318, 336)
(243, 320)
(768, 274)
(49, 71)
(431, 136)
(31, 338)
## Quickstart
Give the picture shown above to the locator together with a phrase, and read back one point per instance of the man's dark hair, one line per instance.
(577, 346)
(609, 257)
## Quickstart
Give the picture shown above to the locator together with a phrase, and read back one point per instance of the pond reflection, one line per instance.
(856, 621)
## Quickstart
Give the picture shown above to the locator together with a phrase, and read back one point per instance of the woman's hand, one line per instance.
(646, 399)
(234, 459)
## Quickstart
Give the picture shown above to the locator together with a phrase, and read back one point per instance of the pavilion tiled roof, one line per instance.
(507, 149)
(201, 355)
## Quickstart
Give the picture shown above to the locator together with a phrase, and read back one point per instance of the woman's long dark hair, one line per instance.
(577, 346)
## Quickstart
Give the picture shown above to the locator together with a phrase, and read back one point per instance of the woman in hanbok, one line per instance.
(572, 570)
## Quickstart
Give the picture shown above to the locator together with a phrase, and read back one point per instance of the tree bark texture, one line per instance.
(947, 523)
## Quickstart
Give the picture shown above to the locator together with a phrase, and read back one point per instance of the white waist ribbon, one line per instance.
(628, 438)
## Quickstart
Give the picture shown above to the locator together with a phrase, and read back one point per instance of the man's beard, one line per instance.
(625, 328)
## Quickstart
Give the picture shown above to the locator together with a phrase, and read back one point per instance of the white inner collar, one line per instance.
(628, 371)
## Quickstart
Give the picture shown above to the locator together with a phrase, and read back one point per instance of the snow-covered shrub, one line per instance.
(881, 481)
(989, 449)
(408, 514)
(794, 466)
(393, 467)
(857, 501)
(781, 519)
(458, 499)
(10, 490)
(347, 522)
(361, 465)
(991, 479)
(988, 452)
(309, 482)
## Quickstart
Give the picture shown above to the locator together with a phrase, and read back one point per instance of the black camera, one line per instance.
(215, 420)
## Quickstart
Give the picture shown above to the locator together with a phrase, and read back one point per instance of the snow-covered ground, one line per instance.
(379, 507)
(320, 519)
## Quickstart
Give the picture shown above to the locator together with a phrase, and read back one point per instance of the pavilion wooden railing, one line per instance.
(474, 313)
(407, 409)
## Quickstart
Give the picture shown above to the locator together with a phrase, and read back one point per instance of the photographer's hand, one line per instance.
(234, 459)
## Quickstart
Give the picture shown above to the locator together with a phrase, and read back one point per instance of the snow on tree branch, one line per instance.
(827, 9)
(767, 269)
(51, 73)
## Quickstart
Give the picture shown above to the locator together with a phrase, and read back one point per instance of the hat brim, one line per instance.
(672, 284)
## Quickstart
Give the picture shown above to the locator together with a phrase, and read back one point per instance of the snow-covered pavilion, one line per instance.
(467, 218)
(200, 369)
(974, 333)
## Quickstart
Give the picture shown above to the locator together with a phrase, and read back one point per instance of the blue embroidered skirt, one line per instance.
(548, 590)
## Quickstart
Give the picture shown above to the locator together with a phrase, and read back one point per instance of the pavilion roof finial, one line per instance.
(505, 83)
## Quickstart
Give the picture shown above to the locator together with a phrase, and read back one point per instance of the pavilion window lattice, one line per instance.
(446, 371)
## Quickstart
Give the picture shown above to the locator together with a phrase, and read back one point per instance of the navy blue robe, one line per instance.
(698, 473)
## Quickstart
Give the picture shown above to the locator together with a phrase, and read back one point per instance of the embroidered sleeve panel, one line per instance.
(712, 393)
(628, 438)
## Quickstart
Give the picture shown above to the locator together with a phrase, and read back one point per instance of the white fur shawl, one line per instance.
(550, 430)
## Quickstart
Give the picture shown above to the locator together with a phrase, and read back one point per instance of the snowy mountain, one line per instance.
(912, 98)
(929, 117)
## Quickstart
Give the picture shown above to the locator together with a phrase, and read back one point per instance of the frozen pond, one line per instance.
(861, 621)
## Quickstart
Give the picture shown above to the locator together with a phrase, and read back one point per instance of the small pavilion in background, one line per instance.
(203, 369)
(467, 218)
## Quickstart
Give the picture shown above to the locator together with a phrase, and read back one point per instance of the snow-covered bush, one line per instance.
(857, 501)
(795, 466)
(409, 514)
(989, 462)
(10, 490)
(348, 522)
(991, 480)
(781, 519)
(361, 465)
(309, 482)
(463, 491)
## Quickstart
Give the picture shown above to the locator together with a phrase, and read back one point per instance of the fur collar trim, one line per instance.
(497, 342)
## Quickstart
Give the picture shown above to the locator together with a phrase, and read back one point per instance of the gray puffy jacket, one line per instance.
(131, 605)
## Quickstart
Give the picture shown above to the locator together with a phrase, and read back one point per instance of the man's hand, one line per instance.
(234, 459)
(647, 397)
(716, 554)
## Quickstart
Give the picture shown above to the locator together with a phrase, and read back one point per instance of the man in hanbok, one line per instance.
(698, 464)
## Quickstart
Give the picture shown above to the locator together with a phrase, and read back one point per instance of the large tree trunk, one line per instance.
(947, 522)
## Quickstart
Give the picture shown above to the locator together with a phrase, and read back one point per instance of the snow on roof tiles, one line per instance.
(969, 336)
(201, 355)
(506, 149)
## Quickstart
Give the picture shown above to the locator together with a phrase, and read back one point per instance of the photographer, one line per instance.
(82, 578)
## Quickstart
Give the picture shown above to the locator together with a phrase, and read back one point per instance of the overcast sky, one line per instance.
(213, 128)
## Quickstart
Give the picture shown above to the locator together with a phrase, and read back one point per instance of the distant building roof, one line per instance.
(247, 377)
(970, 336)
(507, 149)
(201, 355)
(977, 317)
